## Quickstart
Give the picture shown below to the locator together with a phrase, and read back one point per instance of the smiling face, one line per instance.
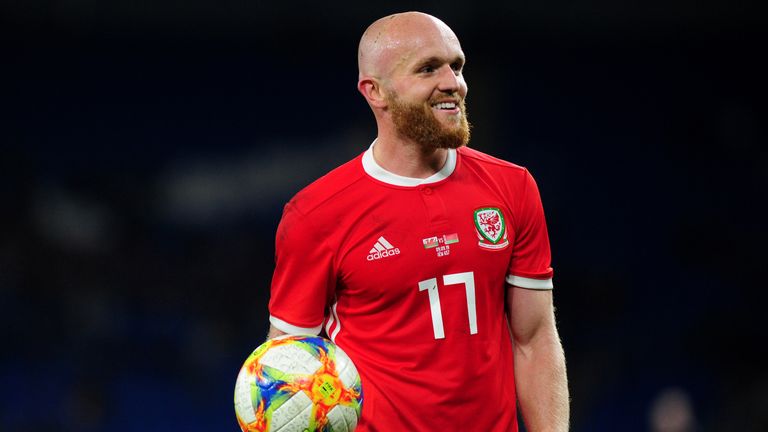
(417, 61)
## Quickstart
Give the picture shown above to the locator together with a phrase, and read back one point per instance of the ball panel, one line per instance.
(347, 371)
(293, 415)
(291, 359)
(350, 378)
(243, 400)
(342, 418)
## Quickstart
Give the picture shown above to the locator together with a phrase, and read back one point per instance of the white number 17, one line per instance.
(430, 286)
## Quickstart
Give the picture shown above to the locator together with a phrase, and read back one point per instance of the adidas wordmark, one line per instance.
(382, 249)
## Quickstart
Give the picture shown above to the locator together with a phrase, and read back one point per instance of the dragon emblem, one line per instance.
(491, 228)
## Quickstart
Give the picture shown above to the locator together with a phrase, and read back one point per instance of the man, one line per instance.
(421, 257)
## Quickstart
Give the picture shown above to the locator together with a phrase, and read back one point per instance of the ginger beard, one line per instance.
(418, 123)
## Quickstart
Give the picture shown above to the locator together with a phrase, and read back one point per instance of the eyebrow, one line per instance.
(435, 60)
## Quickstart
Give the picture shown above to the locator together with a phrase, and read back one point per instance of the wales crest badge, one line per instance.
(491, 228)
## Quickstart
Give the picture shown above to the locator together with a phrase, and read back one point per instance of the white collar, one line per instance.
(374, 170)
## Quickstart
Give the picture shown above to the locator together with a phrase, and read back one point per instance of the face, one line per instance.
(425, 88)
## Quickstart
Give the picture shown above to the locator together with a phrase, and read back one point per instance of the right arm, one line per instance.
(304, 277)
(274, 332)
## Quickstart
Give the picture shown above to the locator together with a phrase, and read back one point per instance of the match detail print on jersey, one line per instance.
(441, 244)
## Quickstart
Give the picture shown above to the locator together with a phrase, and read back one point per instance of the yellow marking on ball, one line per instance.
(326, 389)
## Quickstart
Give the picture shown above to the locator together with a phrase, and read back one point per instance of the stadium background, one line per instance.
(148, 150)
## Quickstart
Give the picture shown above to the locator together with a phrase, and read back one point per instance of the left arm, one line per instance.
(540, 376)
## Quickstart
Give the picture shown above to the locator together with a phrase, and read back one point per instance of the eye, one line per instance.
(427, 69)
(457, 66)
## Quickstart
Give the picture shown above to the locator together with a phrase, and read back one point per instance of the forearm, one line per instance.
(274, 332)
(542, 384)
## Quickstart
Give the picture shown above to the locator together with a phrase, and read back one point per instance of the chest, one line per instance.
(398, 239)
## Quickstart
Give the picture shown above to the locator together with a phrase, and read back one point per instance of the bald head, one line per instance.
(387, 42)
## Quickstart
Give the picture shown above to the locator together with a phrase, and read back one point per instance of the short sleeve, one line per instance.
(304, 277)
(530, 266)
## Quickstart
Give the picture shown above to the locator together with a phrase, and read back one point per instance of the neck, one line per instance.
(408, 159)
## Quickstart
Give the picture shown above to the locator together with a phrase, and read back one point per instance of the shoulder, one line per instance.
(329, 187)
(513, 182)
(476, 160)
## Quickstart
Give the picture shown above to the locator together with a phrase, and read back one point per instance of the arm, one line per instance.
(304, 277)
(540, 377)
(274, 332)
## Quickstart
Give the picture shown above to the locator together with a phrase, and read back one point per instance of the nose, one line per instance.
(449, 80)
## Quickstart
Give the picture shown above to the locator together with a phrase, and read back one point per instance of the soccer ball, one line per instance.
(298, 384)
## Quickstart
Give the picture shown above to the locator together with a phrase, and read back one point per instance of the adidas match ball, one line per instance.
(298, 384)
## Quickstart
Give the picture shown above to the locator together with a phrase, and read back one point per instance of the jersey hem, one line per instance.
(292, 329)
(536, 284)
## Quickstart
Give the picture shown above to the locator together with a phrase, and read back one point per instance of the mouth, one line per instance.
(451, 107)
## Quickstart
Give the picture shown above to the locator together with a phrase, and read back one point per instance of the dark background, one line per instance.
(148, 148)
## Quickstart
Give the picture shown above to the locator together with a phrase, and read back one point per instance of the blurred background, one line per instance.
(148, 148)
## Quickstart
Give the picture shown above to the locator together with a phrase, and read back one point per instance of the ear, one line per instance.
(372, 91)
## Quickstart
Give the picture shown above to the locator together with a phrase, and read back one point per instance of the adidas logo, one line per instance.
(382, 249)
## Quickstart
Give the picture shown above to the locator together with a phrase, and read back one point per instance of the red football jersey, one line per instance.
(409, 277)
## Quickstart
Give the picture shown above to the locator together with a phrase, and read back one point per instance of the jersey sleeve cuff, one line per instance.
(292, 329)
(528, 283)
